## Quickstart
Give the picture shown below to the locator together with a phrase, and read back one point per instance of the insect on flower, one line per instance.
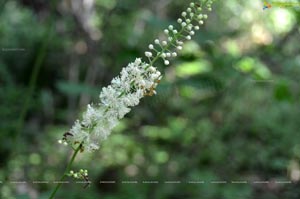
(66, 134)
(151, 90)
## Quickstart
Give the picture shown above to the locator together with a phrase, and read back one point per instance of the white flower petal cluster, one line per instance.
(136, 80)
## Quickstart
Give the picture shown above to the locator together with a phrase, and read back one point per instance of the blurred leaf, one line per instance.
(76, 89)
(282, 92)
(246, 65)
(193, 68)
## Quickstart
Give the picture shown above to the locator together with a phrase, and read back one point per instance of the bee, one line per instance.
(151, 90)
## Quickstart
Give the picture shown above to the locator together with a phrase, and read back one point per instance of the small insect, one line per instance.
(83, 126)
(81, 149)
(151, 91)
(66, 134)
(86, 179)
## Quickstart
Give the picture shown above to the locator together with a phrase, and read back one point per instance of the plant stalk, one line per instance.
(66, 171)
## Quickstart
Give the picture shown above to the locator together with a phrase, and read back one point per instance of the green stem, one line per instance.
(66, 171)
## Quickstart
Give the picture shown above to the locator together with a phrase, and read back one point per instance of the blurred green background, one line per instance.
(227, 108)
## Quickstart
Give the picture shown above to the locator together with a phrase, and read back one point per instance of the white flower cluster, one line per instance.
(136, 80)
(189, 23)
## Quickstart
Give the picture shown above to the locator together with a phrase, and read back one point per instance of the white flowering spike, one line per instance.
(136, 80)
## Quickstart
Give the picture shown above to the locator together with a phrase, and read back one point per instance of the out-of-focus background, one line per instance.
(227, 109)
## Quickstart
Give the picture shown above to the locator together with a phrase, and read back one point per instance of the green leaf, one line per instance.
(193, 68)
(75, 89)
